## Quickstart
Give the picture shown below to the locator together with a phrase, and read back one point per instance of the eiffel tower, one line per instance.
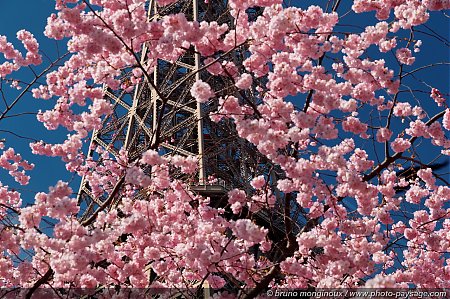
(162, 115)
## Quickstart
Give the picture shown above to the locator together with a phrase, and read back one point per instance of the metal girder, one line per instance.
(184, 125)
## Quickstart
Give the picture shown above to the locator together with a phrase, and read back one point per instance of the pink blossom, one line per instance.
(415, 194)
(446, 120)
(11, 161)
(402, 109)
(230, 105)
(244, 82)
(258, 182)
(410, 14)
(187, 164)
(354, 125)
(400, 145)
(427, 176)
(237, 199)
(404, 56)
(215, 68)
(151, 157)
(437, 96)
(201, 91)
(245, 229)
(437, 4)
(383, 134)
(325, 128)
(417, 129)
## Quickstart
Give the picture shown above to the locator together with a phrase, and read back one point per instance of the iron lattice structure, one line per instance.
(164, 115)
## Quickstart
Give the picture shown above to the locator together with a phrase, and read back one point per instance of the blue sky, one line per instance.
(31, 15)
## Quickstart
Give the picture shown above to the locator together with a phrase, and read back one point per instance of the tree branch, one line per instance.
(40, 282)
(393, 158)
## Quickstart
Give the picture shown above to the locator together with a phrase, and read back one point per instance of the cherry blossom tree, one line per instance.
(341, 113)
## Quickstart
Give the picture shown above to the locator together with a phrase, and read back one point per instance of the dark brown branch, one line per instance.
(47, 276)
